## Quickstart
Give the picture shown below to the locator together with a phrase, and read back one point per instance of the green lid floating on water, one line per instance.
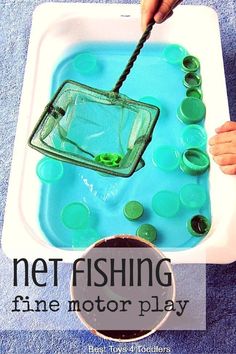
(174, 53)
(194, 92)
(147, 232)
(194, 162)
(85, 63)
(194, 136)
(133, 210)
(193, 196)
(49, 170)
(190, 64)
(166, 203)
(198, 225)
(75, 216)
(166, 157)
(191, 111)
(192, 80)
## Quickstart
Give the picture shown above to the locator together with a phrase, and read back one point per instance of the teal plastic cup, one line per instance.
(75, 216)
(194, 136)
(193, 196)
(174, 53)
(85, 63)
(49, 170)
(166, 157)
(166, 203)
(194, 162)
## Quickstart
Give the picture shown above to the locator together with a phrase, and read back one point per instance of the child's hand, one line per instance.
(160, 10)
(223, 147)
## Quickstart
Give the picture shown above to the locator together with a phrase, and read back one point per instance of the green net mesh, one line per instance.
(96, 129)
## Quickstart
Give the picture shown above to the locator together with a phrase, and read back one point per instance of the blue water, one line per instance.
(106, 196)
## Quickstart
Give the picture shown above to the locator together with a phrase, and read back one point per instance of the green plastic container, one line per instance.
(147, 232)
(199, 225)
(192, 80)
(75, 216)
(190, 64)
(194, 136)
(166, 157)
(166, 203)
(174, 53)
(191, 111)
(49, 170)
(133, 210)
(193, 196)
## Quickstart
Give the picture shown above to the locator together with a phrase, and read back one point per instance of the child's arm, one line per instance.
(223, 147)
(160, 10)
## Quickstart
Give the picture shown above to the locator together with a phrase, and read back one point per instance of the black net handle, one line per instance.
(133, 57)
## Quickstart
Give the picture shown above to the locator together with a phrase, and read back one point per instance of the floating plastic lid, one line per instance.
(190, 64)
(49, 170)
(192, 110)
(192, 80)
(148, 232)
(199, 225)
(166, 203)
(194, 162)
(133, 210)
(174, 53)
(85, 63)
(75, 216)
(194, 92)
(194, 136)
(166, 157)
(193, 196)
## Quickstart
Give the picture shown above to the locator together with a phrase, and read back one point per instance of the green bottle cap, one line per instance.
(133, 210)
(194, 136)
(166, 203)
(191, 111)
(85, 63)
(49, 170)
(194, 92)
(174, 53)
(192, 80)
(166, 157)
(198, 225)
(83, 238)
(194, 162)
(75, 216)
(190, 64)
(193, 196)
(148, 232)
(109, 159)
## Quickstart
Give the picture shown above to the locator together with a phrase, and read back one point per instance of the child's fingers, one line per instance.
(229, 170)
(224, 148)
(225, 160)
(225, 137)
(148, 10)
(226, 127)
(164, 10)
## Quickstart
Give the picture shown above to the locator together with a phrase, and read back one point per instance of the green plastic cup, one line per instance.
(191, 111)
(133, 210)
(166, 203)
(174, 53)
(190, 64)
(147, 232)
(194, 162)
(85, 63)
(198, 225)
(192, 80)
(166, 157)
(194, 136)
(75, 216)
(193, 196)
(49, 170)
(194, 92)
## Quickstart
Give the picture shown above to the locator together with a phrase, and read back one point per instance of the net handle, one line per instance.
(133, 57)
